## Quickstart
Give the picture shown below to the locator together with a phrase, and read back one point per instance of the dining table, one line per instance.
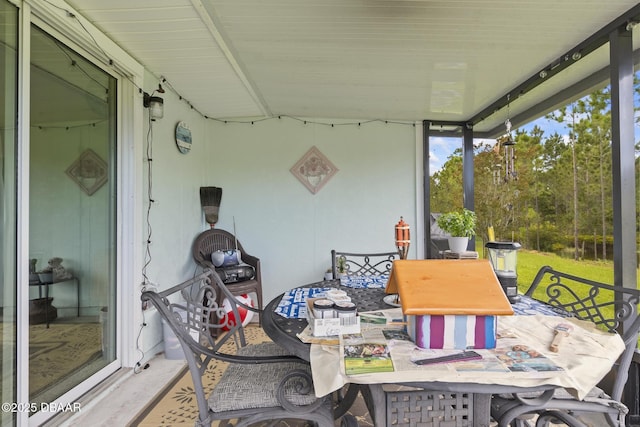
(452, 397)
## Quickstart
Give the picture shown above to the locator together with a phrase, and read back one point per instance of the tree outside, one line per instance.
(559, 199)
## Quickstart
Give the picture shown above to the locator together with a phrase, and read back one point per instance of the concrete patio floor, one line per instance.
(120, 398)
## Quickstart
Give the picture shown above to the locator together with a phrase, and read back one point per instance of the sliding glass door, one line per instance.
(72, 249)
(59, 136)
(8, 186)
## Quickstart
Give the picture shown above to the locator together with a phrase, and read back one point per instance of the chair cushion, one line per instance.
(246, 386)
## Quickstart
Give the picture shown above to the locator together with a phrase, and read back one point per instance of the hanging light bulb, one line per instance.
(156, 107)
(155, 104)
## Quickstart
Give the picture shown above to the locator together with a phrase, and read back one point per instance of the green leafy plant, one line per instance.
(341, 264)
(458, 223)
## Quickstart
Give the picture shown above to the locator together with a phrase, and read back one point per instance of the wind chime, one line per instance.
(402, 238)
(507, 144)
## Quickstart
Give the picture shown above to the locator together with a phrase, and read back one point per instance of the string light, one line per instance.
(68, 127)
(280, 116)
(181, 98)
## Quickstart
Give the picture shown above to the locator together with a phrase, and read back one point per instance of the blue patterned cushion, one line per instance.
(293, 304)
(369, 282)
(529, 306)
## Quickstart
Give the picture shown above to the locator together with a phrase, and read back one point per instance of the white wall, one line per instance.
(283, 223)
(277, 219)
(64, 221)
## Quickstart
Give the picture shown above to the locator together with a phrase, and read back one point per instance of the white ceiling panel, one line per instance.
(443, 60)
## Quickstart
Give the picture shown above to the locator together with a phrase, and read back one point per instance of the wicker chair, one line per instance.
(262, 382)
(361, 264)
(216, 239)
(608, 307)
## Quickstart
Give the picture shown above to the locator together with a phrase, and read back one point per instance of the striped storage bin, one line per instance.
(452, 331)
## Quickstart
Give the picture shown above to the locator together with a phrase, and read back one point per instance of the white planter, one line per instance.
(458, 244)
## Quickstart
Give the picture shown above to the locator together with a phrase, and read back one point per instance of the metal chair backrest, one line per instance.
(192, 312)
(190, 309)
(611, 308)
(362, 264)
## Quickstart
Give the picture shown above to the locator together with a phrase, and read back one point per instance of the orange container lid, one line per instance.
(448, 286)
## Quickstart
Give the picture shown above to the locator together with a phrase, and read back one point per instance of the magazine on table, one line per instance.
(521, 358)
(511, 357)
(367, 358)
(389, 316)
(388, 348)
(516, 356)
(366, 352)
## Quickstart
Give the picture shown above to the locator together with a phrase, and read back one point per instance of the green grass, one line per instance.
(529, 262)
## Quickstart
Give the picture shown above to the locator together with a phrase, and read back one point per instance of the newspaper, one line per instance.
(511, 355)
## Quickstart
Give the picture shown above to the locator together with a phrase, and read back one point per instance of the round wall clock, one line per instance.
(183, 137)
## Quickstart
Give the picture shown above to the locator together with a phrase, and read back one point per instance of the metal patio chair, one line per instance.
(358, 264)
(262, 382)
(363, 264)
(608, 307)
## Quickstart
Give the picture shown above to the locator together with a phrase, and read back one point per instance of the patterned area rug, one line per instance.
(176, 403)
(59, 351)
(55, 353)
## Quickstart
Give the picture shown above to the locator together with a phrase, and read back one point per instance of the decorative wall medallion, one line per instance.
(314, 170)
(89, 172)
(183, 137)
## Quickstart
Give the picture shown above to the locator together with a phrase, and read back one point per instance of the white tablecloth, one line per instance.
(586, 355)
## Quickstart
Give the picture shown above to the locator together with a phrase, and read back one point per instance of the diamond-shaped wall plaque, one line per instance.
(314, 170)
(89, 171)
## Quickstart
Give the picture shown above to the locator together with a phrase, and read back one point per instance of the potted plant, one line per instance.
(341, 266)
(461, 225)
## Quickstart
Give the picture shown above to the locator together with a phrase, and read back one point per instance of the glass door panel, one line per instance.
(72, 219)
(8, 186)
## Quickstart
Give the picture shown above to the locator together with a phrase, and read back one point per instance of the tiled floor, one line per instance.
(121, 398)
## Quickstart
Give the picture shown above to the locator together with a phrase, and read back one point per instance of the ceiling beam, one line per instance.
(592, 43)
(211, 22)
(559, 99)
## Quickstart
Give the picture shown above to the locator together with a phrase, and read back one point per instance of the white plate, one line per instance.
(392, 300)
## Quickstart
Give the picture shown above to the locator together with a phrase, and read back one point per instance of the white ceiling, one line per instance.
(439, 60)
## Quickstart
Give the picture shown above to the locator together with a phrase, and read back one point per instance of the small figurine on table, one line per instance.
(59, 272)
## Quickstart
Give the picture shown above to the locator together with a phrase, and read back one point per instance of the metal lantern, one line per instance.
(503, 257)
(402, 238)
